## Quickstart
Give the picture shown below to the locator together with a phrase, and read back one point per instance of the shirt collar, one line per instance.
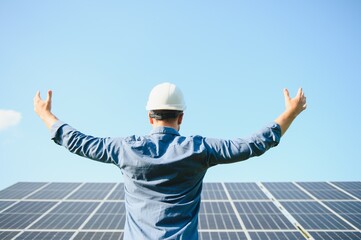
(164, 130)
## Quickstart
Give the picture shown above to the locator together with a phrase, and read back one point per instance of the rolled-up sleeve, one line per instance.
(239, 149)
(95, 148)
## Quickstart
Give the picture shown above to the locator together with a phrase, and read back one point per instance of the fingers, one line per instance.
(37, 95)
(50, 94)
(286, 94)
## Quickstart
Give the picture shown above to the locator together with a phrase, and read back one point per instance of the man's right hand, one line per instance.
(43, 109)
(294, 106)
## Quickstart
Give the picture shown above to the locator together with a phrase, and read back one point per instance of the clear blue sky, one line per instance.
(231, 59)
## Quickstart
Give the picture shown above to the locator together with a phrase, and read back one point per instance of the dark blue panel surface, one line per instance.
(245, 191)
(99, 236)
(336, 235)
(324, 191)
(286, 190)
(276, 235)
(213, 191)
(222, 236)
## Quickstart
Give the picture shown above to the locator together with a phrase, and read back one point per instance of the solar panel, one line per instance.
(267, 210)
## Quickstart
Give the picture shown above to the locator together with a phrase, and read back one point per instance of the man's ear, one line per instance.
(180, 118)
(151, 120)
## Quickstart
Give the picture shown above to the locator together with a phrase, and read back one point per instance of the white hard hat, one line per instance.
(166, 96)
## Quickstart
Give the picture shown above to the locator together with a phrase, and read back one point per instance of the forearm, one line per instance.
(285, 120)
(49, 119)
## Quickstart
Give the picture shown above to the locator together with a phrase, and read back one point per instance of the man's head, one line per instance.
(165, 106)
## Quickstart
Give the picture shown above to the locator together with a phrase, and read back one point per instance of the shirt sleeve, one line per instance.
(239, 149)
(99, 149)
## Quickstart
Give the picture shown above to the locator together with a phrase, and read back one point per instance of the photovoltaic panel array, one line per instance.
(253, 210)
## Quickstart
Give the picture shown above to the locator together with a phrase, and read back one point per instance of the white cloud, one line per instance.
(9, 118)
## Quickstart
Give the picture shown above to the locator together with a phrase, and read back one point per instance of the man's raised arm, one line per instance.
(294, 106)
(43, 109)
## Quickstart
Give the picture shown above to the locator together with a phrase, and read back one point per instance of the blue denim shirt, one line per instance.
(163, 173)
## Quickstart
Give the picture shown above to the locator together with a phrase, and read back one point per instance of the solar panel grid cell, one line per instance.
(276, 235)
(20, 190)
(213, 191)
(324, 191)
(217, 215)
(8, 235)
(336, 235)
(92, 191)
(54, 191)
(99, 236)
(312, 215)
(67, 215)
(222, 236)
(262, 215)
(5, 204)
(45, 235)
(285, 191)
(353, 188)
(245, 191)
(118, 193)
(111, 215)
(351, 211)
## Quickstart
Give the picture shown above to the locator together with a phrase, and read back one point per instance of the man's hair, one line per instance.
(164, 114)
